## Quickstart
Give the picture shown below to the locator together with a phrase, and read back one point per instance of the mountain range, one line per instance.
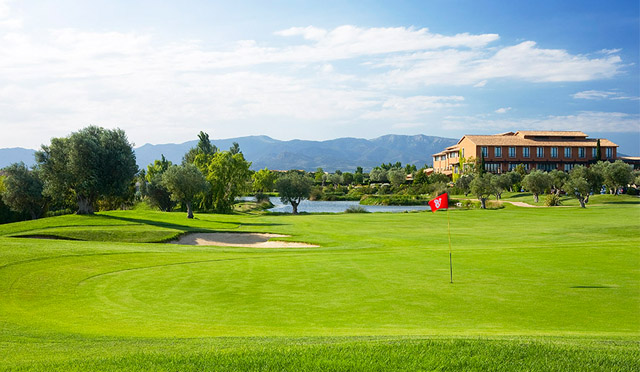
(262, 151)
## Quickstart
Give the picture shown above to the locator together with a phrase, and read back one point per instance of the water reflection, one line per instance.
(337, 206)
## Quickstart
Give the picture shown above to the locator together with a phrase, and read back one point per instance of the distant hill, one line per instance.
(16, 155)
(342, 153)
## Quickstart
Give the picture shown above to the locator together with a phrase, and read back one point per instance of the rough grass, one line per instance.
(534, 289)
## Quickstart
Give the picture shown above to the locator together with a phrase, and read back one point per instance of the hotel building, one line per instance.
(544, 150)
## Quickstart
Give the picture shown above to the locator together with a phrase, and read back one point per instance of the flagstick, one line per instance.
(450, 262)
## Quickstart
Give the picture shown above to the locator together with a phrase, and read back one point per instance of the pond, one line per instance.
(337, 206)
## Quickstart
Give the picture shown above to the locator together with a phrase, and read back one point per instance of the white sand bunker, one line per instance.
(253, 240)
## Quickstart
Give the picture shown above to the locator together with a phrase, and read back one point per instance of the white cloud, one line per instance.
(68, 78)
(586, 121)
(412, 107)
(503, 110)
(524, 61)
(600, 94)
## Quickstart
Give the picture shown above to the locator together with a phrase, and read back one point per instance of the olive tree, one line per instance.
(577, 186)
(482, 188)
(464, 183)
(293, 188)
(184, 183)
(558, 178)
(396, 176)
(22, 191)
(87, 165)
(536, 182)
(499, 184)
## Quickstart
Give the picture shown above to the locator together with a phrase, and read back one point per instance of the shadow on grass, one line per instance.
(185, 228)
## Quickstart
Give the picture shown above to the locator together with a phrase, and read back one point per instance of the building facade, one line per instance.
(543, 150)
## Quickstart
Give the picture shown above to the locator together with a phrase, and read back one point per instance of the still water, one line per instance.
(337, 206)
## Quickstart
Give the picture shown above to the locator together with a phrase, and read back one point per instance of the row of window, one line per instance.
(568, 152)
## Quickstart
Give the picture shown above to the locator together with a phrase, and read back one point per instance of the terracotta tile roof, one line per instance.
(551, 133)
(481, 140)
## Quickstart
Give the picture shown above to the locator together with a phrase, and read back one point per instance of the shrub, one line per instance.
(552, 200)
(356, 209)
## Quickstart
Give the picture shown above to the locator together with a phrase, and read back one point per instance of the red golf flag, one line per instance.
(441, 201)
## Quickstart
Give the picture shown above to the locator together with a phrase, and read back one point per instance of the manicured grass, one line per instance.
(534, 288)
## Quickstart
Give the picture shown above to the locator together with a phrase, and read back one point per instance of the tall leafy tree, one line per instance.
(22, 191)
(293, 189)
(536, 182)
(184, 183)
(263, 180)
(204, 146)
(87, 165)
(228, 175)
(157, 193)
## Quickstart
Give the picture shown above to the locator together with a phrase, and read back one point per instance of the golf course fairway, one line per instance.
(533, 289)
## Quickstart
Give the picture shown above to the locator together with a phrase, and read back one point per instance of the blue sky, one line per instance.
(318, 70)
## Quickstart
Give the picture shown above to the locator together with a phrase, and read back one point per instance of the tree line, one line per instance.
(95, 169)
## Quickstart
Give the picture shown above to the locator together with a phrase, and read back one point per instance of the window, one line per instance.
(547, 167)
(512, 152)
(540, 152)
(594, 154)
(462, 153)
(567, 152)
(554, 152)
(525, 152)
(581, 152)
(485, 151)
(609, 152)
(513, 166)
(498, 151)
(568, 167)
(492, 167)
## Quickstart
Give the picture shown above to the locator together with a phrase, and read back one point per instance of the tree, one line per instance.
(158, 195)
(228, 175)
(499, 184)
(378, 174)
(335, 179)
(481, 169)
(235, 148)
(558, 178)
(396, 176)
(591, 174)
(358, 176)
(347, 178)
(22, 191)
(87, 165)
(204, 146)
(464, 183)
(293, 188)
(598, 151)
(536, 182)
(184, 183)
(617, 175)
(577, 186)
(515, 178)
(263, 180)
(420, 177)
(319, 176)
(482, 188)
